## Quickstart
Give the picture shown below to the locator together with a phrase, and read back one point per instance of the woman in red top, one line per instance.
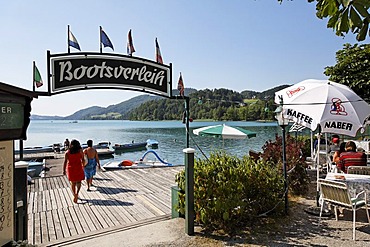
(73, 167)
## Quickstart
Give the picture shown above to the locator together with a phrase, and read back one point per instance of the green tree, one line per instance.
(352, 69)
(345, 16)
(232, 114)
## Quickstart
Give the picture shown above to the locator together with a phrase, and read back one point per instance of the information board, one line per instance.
(6, 192)
(11, 115)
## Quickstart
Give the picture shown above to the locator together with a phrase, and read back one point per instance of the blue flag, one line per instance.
(72, 41)
(105, 40)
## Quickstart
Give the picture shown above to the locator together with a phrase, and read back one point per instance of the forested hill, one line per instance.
(217, 104)
(118, 111)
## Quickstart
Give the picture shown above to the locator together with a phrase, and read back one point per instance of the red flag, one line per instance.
(180, 86)
(158, 54)
(130, 44)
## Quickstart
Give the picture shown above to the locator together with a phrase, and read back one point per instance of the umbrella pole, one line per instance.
(327, 152)
(312, 151)
(317, 170)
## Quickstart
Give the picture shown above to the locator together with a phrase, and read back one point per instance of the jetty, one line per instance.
(120, 199)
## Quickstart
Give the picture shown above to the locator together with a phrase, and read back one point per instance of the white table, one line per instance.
(355, 183)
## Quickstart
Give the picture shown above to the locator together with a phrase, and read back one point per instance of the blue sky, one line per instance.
(237, 44)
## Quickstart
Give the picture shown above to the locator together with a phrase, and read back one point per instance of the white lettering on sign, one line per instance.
(299, 116)
(68, 73)
(338, 125)
(6, 109)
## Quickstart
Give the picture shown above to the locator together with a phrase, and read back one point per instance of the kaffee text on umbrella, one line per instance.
(299, 116)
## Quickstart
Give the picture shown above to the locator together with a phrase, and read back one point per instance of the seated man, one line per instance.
(334, 144)
(351, 158)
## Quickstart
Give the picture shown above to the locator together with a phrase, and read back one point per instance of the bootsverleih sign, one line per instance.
(96, 70)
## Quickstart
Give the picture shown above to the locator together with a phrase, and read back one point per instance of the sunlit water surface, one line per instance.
(171, 136)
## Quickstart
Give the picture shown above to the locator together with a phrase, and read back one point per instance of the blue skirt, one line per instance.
(90, 168)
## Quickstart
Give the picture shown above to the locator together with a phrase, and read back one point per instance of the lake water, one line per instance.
(171, 136)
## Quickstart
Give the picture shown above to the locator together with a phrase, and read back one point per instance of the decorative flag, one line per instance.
(158, 54)
(105, 40)
(130, 44)
(37, 77)
(72, 41)
(180, 86)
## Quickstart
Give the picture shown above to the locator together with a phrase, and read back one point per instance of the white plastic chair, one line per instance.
(362, 170)
(337, 194)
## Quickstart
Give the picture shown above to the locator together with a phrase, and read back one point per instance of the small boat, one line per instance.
(34, 168)
(102, 148)
(37, 165)
(142, 163)
(152, 143)
(128, 164)
(161, 161)
(101, 145)
(31, 172)
(129, 146)
(118, 164)
(104, 152)
(35, 150)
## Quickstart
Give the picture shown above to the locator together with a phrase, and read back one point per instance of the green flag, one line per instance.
(37, 77)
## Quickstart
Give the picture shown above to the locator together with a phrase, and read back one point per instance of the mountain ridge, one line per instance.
(123, 109)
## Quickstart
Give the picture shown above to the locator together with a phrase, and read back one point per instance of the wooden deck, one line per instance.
(121, 198)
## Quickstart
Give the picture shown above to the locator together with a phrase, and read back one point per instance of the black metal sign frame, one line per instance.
(88, 70)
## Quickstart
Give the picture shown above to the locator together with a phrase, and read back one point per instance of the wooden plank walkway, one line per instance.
(120, 198)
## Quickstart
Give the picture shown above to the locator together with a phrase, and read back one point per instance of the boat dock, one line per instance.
(120, 199)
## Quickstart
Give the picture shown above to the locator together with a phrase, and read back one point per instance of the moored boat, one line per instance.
(129, 146)
(103, 149)
(34, 168)
(142, 163)
(127, 164)
(152, 143)
(104, 152)
(37, 149)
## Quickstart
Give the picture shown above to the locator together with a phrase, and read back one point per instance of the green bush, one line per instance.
(298, 180)
(230, 192)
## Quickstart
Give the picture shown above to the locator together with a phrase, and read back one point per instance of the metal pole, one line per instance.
(69, 49)
(20, 149)
(189, 190)
(284, 171)
(187, 99)
(101, 49)
(283, 125)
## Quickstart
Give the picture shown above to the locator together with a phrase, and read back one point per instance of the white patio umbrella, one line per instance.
(224, 131)
(333, 106)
